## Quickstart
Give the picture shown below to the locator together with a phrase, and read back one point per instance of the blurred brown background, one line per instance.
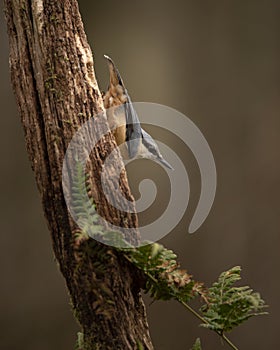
(218, 63)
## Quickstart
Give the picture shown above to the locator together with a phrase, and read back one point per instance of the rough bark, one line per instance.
(54, 83)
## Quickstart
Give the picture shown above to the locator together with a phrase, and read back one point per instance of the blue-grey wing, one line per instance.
(133, 129)
(150, 144)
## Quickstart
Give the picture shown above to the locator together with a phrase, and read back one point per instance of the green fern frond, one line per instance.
(80, 341)
(165, 280)
(229, 306)
(85, 210)
(197, 345)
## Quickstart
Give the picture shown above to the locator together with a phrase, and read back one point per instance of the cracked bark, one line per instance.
(54, 83)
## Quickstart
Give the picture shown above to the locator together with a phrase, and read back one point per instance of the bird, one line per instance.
(134, 142)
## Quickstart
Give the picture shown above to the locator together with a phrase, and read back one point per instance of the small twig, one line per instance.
(225, 338)
(203, 320)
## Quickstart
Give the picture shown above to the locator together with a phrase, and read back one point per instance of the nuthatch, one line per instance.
(134, 142)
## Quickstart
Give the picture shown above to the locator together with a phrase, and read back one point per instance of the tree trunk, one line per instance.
(56, 91)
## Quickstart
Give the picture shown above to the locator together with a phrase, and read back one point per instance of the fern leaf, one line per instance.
(80, 341)
(165, 280)
(229, 306)
(197, 345)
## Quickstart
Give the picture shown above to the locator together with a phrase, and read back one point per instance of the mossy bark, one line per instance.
(55, 87)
